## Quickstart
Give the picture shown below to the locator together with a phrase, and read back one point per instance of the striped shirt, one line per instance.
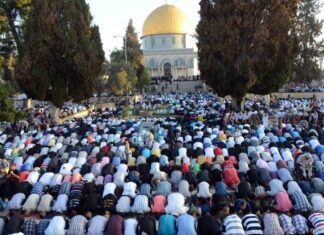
(252, 224)
(65, 188)
(76, 189)
(141, 204)
(38, 188)
(233, 225)
(317, 220)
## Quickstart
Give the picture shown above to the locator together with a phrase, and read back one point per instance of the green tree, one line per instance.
(122, 78)
(117, 56)
(134, 51)
(144, 77)
(306, 66)
(62, 52)
(13, 14)
(246, 46)
(101, 81)
(7, 111)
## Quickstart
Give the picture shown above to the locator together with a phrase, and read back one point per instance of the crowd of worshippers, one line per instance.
(163, 176)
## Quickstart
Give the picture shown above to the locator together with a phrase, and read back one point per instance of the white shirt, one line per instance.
(277, 157)
(276, 186)
(130, 189)
(184, 188)
(66, 169)
(287, 155)
(182, 152)
(244, 157)
(123, 205)
(317, 201)
(97, 225)
(33, 177)
(262, 164)
(72, 160)
(293, 187)
(109, 189)
(266, 156)
(56, 226)
(44, 151)
(203, 190)
(47, 178)
(123, 168)
(130, 226)
(16, 201)
(160, 176)
(198, 145)
(209, 152)
(60, 204)
(19, 162)
(31, 203)
(80, 161)
(273, 166)
(274, 150)
(175, 205)
(155, 168)
(30, 160)
(141, 204)
(243, 167)
(56, 180)
(119, 179)
(45, 203)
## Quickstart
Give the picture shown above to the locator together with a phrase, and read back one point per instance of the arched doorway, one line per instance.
(167, 69)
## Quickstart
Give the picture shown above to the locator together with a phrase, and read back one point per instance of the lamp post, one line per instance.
(125, 45)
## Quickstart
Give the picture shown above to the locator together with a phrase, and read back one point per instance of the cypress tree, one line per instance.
(62, 52)
(246, 46)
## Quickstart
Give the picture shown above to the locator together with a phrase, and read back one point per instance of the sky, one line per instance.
(112, 16)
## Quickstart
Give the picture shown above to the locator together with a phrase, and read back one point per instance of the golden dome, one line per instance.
(167, 19)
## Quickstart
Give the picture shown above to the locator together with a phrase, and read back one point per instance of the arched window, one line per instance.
(152, 64)
(164, 61)
(191, 63)
(179, 62)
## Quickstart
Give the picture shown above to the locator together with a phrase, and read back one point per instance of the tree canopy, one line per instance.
(122, 78)
(310, 46)
(144, 77)
(7, 111)
(13, 14)
(246, 46)
(134, 51)
(135, 56)
(62, 52)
